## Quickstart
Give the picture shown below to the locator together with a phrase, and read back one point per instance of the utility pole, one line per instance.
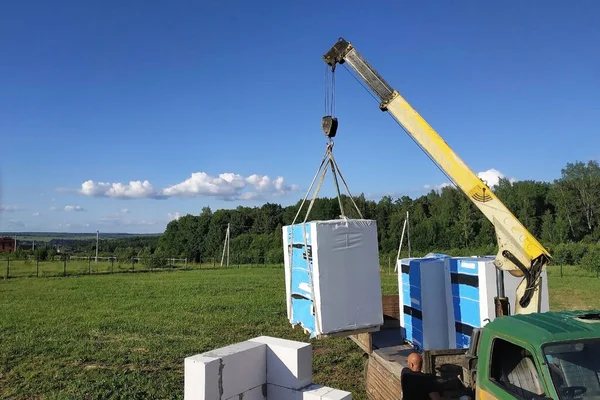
(97, 236)
(228, 242)
(408, 233)
(226, 246)
(404, 229)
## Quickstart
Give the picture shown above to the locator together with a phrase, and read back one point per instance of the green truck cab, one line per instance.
(550, 355)
(553, 355)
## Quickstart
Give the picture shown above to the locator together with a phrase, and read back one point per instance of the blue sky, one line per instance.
(170, 95)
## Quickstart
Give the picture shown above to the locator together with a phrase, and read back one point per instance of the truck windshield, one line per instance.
(575, 368)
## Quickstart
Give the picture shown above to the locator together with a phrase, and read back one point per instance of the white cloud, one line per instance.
(74, 208)
(174, 216)
(7, 208)
(264, 184)
(36, 214)
(72, 226)
(202, 184)
(226, 186)
(491, 177)
(116, 221)
(16, 223)
(134, 189)
(124, 211)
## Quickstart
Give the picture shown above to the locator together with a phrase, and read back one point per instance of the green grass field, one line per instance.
(126, 335)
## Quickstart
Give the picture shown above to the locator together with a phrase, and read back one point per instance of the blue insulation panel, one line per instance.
(423, 302)
(466, 298)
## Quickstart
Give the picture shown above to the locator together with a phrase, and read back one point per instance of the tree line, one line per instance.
(564, 215)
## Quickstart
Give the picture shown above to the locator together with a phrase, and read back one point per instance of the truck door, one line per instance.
(512, 372)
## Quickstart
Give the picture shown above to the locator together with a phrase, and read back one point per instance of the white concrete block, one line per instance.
(289, 363)
(257, 393)
(319, 392)
(337, 394)
(240, 367)
(315, 392)
(201, 377)
(275, 392)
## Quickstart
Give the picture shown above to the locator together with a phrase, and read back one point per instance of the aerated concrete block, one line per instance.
(275, 392)
(201, 379)
(257, 393)
(225, 372)
(318, 392)
(337, 394)
(315, 392)
(289, 363)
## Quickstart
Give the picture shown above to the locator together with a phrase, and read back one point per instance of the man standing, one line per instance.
(415, 384)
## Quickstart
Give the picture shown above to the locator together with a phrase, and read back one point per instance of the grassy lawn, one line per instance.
(126, 335)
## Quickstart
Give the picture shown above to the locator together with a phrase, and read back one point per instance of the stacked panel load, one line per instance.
(473, 287)
(423, 310)
(333, 286)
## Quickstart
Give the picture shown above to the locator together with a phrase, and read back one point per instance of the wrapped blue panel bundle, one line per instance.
(470, 281)
(333, 283)
(471, 298)
(423, 284)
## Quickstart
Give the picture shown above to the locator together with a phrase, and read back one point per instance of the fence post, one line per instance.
(7, 267)
(37, 268)
(214, 264)
(561, 271)
(389, 265)
(112, 265)
(89, 265)
(132, 266)
(185, 265)
(65, 266)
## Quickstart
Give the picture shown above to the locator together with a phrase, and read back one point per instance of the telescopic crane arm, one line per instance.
(519, 252)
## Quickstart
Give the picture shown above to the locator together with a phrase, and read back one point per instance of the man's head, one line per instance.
(415, 362)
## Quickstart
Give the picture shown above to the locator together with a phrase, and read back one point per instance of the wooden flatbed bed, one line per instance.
(387, 353)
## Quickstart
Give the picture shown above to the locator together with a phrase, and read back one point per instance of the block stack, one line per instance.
(257, 369)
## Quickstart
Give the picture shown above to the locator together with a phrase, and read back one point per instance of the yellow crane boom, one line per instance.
(519, 252)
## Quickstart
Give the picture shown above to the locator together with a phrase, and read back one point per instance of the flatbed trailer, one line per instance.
(387, 354)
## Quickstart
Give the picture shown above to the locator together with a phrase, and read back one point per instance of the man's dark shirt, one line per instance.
(417, 385)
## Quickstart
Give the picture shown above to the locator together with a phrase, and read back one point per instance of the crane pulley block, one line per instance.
(329, 125)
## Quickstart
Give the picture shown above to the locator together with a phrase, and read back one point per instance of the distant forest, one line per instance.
(564, 215)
